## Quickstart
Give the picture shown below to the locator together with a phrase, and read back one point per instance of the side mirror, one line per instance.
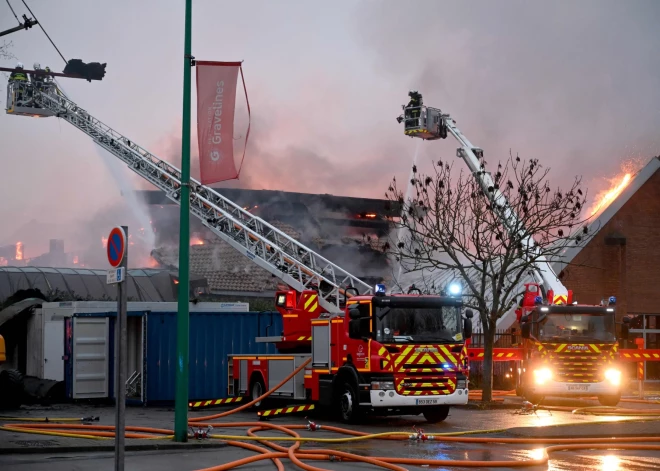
(469, 314)
(467, 328)
(526, 330)
(354, 314)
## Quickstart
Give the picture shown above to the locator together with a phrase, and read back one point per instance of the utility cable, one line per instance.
(42, 29)
(15, 16)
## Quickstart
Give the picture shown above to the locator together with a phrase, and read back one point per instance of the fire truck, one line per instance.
(568, 349)
(370, 352)
(383, 355)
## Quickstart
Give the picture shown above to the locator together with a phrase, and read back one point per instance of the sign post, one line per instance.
(117, 249)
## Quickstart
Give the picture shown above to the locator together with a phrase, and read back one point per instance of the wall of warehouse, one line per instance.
(623, 259)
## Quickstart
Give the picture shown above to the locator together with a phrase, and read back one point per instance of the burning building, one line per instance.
(344, 230)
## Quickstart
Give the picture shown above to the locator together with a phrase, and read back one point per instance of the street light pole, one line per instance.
(182, 324)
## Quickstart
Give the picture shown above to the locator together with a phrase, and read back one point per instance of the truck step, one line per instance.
(214, 402)
(267, 414)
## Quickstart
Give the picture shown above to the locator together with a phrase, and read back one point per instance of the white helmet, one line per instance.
(37, 66)
(19, 65)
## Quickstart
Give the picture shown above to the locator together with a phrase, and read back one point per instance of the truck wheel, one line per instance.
(609, 401)
(433, 415)
(257, 389)
(11, 389)
(348, 403)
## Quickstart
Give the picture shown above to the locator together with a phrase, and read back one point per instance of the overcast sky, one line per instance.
(575, 84)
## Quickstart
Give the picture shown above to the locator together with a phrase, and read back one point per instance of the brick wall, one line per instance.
(623, 259)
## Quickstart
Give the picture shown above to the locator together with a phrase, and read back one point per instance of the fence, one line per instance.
(503, 377)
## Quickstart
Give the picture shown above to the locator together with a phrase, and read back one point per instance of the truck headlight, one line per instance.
(382, 385)
(542, 375)
(613, 376)
(461, 384)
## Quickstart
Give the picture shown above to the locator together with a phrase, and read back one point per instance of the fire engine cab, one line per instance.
(569, 349)
(385, 354)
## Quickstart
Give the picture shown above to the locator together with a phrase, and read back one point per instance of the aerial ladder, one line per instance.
(568, 349)
(283, 256)
(432, 124)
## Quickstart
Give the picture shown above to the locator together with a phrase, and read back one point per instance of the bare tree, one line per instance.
(489, 239)
(5, 52)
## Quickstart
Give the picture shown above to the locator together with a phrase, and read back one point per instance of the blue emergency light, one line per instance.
(380, 289)
(612, 300)
(538, 300)
(455, 289)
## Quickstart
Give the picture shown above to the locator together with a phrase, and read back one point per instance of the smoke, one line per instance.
(568, 83)
(134, 206)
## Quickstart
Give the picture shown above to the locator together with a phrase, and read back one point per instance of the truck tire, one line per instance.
(257, 388)
(609, 401)
(11, 389)
(433, 415)
(348, 403)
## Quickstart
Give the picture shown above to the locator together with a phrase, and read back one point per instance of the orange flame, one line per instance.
(3, 262)
(75, 260)
(19, 250)
(616, 185)
(194, 240)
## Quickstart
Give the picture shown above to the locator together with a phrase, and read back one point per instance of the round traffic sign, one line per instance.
(116, 246)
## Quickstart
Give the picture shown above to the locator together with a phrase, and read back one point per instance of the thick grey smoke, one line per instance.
(574, 84)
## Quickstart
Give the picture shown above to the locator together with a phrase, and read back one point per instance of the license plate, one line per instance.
(577, 387)
(426, 402)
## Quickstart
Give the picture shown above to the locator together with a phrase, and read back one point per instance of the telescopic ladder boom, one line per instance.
(431, 124)
(283, 256)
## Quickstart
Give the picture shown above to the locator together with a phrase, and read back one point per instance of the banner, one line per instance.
(216, 103)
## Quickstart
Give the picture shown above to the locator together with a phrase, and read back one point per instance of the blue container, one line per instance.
(213, 336)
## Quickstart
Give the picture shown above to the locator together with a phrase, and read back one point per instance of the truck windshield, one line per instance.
(578, 327)
(441, 324)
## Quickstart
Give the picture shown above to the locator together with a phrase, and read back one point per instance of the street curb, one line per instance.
(97, 448)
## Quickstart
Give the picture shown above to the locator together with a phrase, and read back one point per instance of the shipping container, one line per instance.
(90, 351)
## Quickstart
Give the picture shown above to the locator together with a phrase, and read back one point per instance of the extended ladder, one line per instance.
(283, 256)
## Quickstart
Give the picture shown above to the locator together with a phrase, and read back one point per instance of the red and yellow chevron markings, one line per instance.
(285, 410)
(214, 402)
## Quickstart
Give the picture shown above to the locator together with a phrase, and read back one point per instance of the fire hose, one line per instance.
(275, 452)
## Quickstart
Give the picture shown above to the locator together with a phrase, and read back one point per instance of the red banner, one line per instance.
(216, 103)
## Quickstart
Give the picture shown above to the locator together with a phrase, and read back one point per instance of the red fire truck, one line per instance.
(569, 349)
(385, 354)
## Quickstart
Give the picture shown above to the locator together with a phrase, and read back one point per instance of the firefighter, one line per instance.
(37, 79)
(18, 78)
(415, 101)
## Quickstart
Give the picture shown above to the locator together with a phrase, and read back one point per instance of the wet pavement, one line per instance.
(23, 452)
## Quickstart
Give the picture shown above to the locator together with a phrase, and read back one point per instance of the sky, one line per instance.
(574, 84)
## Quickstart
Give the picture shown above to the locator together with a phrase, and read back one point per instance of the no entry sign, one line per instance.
(116, 246)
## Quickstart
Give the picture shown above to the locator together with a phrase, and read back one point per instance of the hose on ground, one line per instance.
(274, 452)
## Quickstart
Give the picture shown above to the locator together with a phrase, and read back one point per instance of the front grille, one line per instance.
(425, 386)
(582, 368)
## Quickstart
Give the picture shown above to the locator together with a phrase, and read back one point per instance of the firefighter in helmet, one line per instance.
(413, 114)
(18, 78)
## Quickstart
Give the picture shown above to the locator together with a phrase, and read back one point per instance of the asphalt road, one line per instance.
(13, 446)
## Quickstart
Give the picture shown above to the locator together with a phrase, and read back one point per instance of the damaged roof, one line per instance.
(637, 181)
(226, 269)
